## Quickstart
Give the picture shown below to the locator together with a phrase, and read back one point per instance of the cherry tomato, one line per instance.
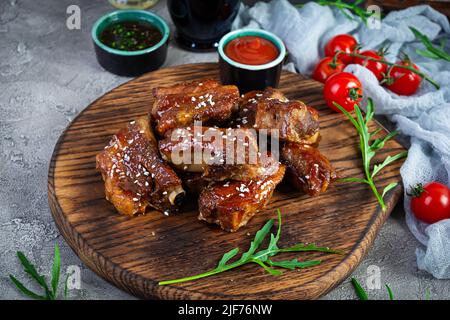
(378, 69)
(325, 68)
(431, 203)
(342, 42)
(343, 88)
(403, 82)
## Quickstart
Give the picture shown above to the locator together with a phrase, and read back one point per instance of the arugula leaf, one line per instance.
(388, 188)
(391, 295)
(388, 161)
(368, 150)
(294, 263)
(56, 269)
(362, 295)
(379, 143)
(30, 269)
(272, 247)
(360, 180)
(24, 290)
(259, 238)
(227, 256)
(300, 247)
(272, 271)
(344, 8)
(427, 294)
(431, 51)
(261, 257)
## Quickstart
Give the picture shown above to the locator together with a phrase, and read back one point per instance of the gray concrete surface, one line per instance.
(47, 75)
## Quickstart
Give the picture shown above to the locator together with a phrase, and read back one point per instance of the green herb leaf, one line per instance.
(294, 263)
(368, 150)
(427, 54)
(272, 271)
(227, 256)
(300, 247)
(362, 295)
(375, 132)
(391, 295)
(31, 270)
(431, 51)
(56, 269)
(24, 290)
(388, 188)
(345, 8)
(359, 180)
(370, 110)
(272, 248)
(259, 238)
(388, 161)
(379, 143)
(427, 294)
(261, 257)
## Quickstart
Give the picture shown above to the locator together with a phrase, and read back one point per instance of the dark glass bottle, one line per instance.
(201, 23)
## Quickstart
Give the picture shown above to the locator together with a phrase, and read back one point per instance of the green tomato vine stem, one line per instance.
(391, 64)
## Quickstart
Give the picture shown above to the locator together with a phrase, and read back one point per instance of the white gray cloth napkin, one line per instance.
(424, 117)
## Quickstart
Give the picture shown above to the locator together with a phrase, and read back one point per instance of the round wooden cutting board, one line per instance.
(135, 253)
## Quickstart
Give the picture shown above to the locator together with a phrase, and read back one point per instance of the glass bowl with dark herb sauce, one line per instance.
(130, 35)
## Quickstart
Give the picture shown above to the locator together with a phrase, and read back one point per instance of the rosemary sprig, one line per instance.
(50, 292)
(263, 257)
(363, 14)
(391, 64)
(431, 51)
(368, 150)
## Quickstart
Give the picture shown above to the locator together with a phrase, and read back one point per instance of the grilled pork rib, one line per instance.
(218, 154)
(307, 169)
(270, 109)
(182, 104)
(231, 204)
(135, 175)
(233, 177)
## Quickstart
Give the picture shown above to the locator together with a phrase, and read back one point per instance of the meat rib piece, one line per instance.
(183, 104)
(232, 204)
(307, 169)
(135, 175)
(270, 109)
(218, 154)
(193, 182)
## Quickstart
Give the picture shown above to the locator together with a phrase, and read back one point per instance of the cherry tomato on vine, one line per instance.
(431, 203)
(379, 69)
(402, 81)
(344, 89)
(326, 68)
(341, 42)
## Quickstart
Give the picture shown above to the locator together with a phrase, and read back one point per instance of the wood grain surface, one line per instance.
(135, 253)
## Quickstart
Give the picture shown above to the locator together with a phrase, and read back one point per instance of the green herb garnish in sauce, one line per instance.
(130, 35)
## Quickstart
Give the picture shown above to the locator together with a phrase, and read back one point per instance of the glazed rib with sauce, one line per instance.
(218, 154)
(183, 104)
(270, 109)
(307, 169)
(135, 175)
(193, 182)
(231, 204)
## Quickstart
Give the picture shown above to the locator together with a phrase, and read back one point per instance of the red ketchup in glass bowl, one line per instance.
(251, 50)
